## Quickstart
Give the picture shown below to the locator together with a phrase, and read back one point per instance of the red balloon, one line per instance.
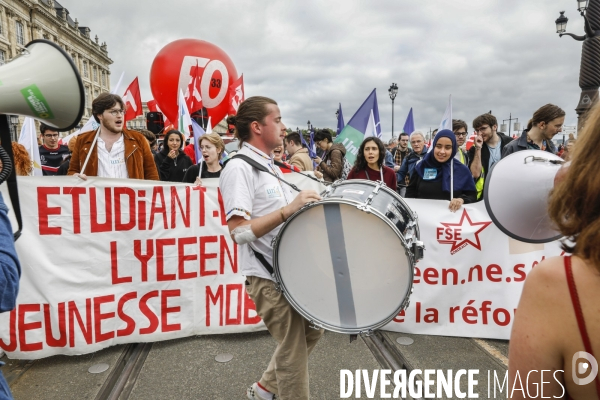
(171, 70)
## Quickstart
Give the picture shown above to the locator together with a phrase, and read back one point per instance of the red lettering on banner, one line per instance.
(250, 306)
(224, 249)
(143, 258)
(86, 329)
(12, 345)
(452, 311)
(479, 273)
(44, 211)
(24, 327)
(417, 275)
(105, 226)
(182, 257)
(160, 260)
(431, 316)
(99, 316)
(114, 266)
(130, 323)
(469, 312)
(519, 270)
(157, 208)
(185, 215)
(119, 224)
(214, 299)
(75, 192)
(152, 318)
(165, 326)
(484, 309)
(400, 314)
(222, 208)
(201, 204)
(492, 272)
(62, 338)
(204, 256)
(418, 313)
(238, 319)
(430, 276)
(446, 272)
(142, 210)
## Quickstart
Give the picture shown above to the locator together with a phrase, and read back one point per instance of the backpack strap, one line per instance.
(262, 168)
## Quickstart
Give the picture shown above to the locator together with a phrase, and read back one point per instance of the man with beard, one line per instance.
(112, 151)
(546, 122)
(487, 149)
(399, 153)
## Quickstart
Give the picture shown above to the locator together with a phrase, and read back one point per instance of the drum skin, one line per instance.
(345, 269)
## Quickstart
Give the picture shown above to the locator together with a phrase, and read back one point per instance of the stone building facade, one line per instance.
(22, 21)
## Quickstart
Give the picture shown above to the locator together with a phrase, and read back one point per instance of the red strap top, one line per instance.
(579, 314)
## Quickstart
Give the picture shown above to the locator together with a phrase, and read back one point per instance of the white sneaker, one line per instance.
(253, 393)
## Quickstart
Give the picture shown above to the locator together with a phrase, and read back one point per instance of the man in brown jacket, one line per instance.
(116, 152)
(298, 154)
(332, 164)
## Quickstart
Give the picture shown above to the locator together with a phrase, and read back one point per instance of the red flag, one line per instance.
(236, 95)
(470, 141)
(133, 101)
(153, 107)
(192, 93)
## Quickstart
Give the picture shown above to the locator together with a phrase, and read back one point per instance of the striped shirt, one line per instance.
(111, 164)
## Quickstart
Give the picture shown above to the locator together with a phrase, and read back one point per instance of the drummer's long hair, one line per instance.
(575, 201)
(252, 109)
(361, 163)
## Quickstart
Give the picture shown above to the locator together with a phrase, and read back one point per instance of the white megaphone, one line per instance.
(43, 83)
(516, 195)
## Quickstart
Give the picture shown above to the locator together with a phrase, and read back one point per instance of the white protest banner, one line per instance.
(108, 261)
(470, 280)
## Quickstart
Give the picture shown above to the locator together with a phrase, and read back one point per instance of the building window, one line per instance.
(103, 79)
(2, 57)
(20, 36)
(95, 74)
(1, 28)
(96, 93)
(86, 72)
(87, 97)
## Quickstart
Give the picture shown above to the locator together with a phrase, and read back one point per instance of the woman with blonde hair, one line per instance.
(557, 323)
(212, 148)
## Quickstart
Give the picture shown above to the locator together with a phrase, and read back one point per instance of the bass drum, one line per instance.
(346, 263)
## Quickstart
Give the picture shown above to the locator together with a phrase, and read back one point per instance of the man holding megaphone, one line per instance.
(112, 151)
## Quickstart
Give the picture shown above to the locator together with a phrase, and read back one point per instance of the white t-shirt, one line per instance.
(250, 193)
(112, 164)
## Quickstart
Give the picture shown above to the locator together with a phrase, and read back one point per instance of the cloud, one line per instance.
(499, 55)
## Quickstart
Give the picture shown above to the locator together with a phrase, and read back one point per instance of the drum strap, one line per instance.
(262, 168)
(262, 260)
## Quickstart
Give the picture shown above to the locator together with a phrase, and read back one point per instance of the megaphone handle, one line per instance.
(90, 152)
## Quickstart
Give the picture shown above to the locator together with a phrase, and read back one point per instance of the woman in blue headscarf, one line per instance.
(432, 175)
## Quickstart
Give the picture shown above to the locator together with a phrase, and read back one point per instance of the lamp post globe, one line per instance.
(582, 5)
(561, 23)
(393, 91)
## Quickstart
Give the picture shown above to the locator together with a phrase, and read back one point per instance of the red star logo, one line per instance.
(460, 243)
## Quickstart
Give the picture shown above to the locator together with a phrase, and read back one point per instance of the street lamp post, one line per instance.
(517, 126)
(393, 91)
(309, 126)
(589, 72)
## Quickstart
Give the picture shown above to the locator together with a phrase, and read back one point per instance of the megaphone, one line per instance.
(516, 195)
(43, 83)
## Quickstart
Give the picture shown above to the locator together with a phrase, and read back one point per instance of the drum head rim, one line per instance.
(313, 319)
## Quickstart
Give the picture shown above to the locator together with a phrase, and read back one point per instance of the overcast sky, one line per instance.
(499, 55)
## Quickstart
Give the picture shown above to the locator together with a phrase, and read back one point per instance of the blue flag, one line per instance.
(340, 121)
(364, 123)
(409, 125)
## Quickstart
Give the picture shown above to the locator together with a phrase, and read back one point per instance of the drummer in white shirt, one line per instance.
(257, 204)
